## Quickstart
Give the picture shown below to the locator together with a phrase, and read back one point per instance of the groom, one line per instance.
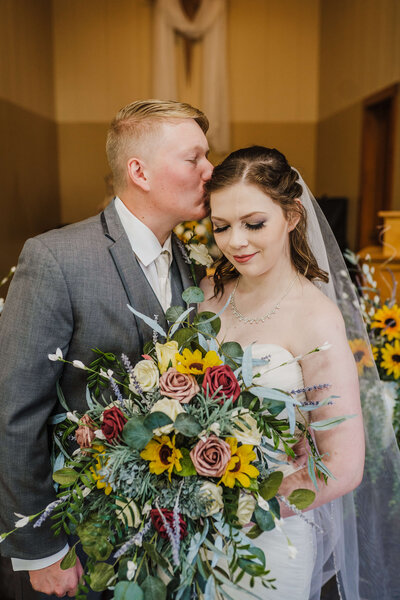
(71, 291)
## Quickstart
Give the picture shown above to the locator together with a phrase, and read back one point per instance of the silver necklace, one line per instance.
(269, 314)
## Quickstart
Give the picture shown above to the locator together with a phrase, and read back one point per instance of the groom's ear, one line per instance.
(137, 173)
(294, 215)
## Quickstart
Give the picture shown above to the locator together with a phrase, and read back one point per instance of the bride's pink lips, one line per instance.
(244, 257)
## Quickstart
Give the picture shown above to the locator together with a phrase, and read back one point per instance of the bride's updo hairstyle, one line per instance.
(268, 169)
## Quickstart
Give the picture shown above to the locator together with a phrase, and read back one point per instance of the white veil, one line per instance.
(361, 540)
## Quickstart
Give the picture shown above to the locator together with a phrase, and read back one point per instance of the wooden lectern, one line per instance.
(386, 258)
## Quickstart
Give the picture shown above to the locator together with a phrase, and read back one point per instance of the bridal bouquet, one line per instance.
(382, 320)
(175, 475)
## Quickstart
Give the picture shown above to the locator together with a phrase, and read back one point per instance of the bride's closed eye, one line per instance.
(251, 226)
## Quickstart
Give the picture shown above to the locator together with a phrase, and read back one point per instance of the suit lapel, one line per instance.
(139, 292)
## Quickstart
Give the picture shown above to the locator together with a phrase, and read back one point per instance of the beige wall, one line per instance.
(29, 202)
(359, 55)
(102, 59)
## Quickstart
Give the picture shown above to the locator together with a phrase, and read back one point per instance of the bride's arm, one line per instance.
(343, 446)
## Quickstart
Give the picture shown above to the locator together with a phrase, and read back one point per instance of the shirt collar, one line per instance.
(143, 241)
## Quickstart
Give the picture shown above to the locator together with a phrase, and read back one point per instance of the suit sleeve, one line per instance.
(37, 318)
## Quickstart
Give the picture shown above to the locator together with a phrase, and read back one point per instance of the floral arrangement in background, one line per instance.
(173, 475)
(5, 280)
(198, 233)
(382, 320)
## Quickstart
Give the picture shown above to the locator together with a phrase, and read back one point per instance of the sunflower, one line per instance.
(101, 482)
(388, 319)
(391, 359)
(375, 352)
(361, 353)
(239, 467)
(195, 363)
(163, 455)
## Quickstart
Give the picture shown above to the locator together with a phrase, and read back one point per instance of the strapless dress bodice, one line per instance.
(280, 371)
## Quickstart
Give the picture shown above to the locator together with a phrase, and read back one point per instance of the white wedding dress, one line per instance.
(292, 575)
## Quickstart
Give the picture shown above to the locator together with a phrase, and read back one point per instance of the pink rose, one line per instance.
(177, 385)
(210, 458)
(84, 435)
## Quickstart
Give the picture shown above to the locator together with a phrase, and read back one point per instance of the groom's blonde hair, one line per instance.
(136, 123)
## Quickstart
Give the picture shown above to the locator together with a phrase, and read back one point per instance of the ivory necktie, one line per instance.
(162, 263)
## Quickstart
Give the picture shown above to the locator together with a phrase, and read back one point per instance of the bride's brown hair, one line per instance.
(268, 169)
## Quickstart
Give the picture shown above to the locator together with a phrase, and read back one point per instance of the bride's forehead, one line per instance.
(241, 199)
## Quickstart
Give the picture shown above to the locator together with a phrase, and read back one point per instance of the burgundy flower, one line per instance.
(179, 386)
(210, 457)
(169, 517)
(84, 435)
(221, 375)
(113, 423)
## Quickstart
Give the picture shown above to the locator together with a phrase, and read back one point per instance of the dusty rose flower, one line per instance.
(177, 385)
(221, 375)
(113, 423)
(210, 457)
(85, 435)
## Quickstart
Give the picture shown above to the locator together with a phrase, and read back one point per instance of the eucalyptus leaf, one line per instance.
(101, 575)
(150, 322)
(89, 400)
(56, 419)
(61, 397)
(69, 559)
(193, 295)
(136, 434)
(128, 590)
(209, 592)
(302, 498)
(181, 319)
(187, 425)
(254, 532)
(154, 588)
(250, 567)
(274, 407)
(264, 519)
(326, 424)
(156, 419)
(232, 351)
(173, 313)
(247, 366)
(183, 337)
(274, 394)
(65, 476)
(269, 487)
(207, 325)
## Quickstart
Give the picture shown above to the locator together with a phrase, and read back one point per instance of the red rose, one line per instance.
(169, 517)
(221, 376)
(113, 423)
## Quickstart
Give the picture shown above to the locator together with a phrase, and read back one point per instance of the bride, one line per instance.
(276, 304)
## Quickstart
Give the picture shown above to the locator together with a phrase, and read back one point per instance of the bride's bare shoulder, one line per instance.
(319, 313)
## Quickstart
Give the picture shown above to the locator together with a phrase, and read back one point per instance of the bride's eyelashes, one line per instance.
(251, 226)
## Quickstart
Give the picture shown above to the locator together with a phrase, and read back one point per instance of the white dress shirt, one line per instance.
(147, 248)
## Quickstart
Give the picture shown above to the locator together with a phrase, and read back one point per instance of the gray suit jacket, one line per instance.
(70, 290)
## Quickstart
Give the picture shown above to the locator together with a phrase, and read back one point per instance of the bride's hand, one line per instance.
(301, 450)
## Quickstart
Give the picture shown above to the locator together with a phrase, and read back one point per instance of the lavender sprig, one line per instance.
(155, 334)
(132, 377)
(117, 391)
(48, 510)
(173, 535)
(135, 540)
(182, 248)
(312, 388)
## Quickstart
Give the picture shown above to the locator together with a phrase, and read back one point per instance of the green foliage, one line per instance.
(193, 295)
(269, 487)
(302, 498)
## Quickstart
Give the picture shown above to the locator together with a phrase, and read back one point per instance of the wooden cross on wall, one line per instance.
(190, 8)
